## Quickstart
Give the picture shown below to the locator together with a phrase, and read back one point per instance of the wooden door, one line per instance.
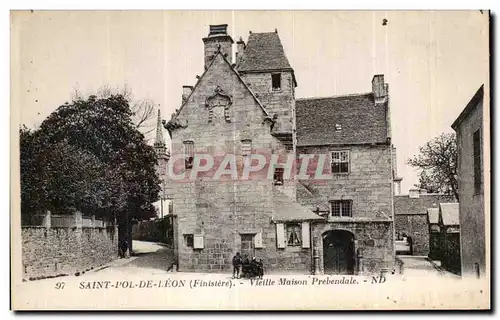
(338, 252)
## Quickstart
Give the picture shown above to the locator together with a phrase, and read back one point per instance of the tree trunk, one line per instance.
(129, 235)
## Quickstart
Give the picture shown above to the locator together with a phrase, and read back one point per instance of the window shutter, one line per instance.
(258, 240)
(305, 235)
(198, 241)
(280, 235)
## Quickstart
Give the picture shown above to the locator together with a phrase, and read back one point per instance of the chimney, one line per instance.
(379, 88)
(186, 91)
(414, 193)
(217, 40)
(241, 46)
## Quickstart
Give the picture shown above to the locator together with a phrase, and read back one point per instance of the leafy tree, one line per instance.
(143, 110)
(437, 165)
(90, 156)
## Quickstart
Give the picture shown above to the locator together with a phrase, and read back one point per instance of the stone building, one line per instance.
(471, 175)
(411, 218)
(449, 229)
(244, 111)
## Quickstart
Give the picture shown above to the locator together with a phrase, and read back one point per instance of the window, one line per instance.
(278, 176)
(293, 235)
(246, 147)
(189, 154)
(340, 161)
(341, 208)
(477, 161)
(276, 81)
(189, 240)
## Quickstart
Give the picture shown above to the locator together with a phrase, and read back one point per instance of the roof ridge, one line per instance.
(337, 96)
(239, 78)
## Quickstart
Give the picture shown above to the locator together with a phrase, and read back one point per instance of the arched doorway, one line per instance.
(338, 252)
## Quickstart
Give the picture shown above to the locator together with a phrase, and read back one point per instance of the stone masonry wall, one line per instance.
(280, 102)
(472, 216)
(372, 240)
(416, 227)
(369, 186)
(50, 252)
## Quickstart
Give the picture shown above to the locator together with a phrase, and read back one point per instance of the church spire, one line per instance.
(159, 143)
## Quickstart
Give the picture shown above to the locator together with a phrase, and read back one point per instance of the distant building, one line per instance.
(411, 220)
(434, 234)
(471, 173)
(449, 226)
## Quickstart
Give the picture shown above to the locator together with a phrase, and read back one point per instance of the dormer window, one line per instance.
(276, 81)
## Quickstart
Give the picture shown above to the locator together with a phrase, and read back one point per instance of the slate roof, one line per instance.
(449, 214)
(403, 204)
(264, 51)
(361, 120)
(285, 209)
(433, 215)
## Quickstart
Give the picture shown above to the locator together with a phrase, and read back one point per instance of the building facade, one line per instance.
(471, 174)
(244, 113)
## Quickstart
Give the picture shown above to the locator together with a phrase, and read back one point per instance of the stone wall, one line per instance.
(472, 214)
(416, 227)
(281, 102)
(369, 185)
(50, 252)
(373, 244)
(222, 213)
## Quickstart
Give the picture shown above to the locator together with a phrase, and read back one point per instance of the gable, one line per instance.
(219, 81)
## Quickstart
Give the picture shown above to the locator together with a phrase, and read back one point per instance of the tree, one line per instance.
(90, 156)
(143, 110)
(437, 165)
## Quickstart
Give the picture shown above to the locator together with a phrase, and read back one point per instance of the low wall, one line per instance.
(56, 251)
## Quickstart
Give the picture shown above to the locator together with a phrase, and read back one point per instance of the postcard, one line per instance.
(250, 160)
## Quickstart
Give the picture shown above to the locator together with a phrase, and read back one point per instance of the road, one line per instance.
(420, 266)
(143, 280)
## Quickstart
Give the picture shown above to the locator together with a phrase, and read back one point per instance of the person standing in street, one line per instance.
(236, 265)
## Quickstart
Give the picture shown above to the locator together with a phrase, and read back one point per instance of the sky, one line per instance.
(433, 61)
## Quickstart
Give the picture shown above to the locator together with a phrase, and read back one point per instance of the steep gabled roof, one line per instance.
(433, 215)
(449, 214)
(264, 52)
(235, 72)
(361, 121)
